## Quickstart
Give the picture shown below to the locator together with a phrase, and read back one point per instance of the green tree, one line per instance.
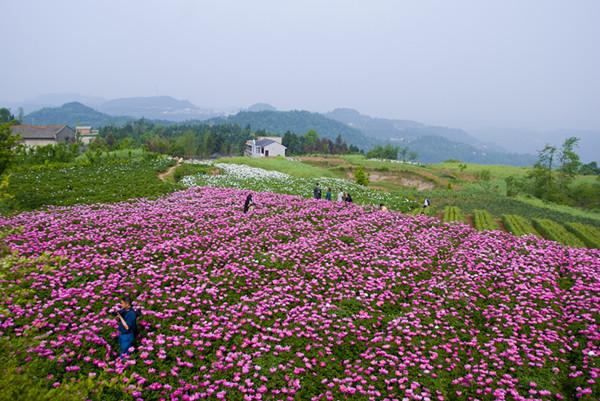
(188, 143)
(6, 116)
(514, 185)
(569, 162)
(542, 177)
(590, 168)
(7, 144)
(388, 152)
(310, 140)
(360, 176)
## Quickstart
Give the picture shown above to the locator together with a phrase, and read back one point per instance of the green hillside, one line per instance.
(298, 122)
(73, 114)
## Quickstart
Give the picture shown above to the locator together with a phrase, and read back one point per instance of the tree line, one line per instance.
(312, 143)
(208, 140)
(553, 177)
(391, 152)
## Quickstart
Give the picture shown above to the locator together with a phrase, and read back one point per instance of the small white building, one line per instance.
(86, 134)
(265, 146)
(40, 135)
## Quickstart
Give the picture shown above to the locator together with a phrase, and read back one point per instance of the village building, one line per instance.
(86, 134)
(265, 146)
(40, 135)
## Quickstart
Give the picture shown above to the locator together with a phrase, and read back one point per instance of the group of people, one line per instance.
(317, 194)
(341, 196)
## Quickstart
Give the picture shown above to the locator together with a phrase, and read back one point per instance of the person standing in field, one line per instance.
(317, 192)
(127, 318)
(328, 194)
(348, 198)
(426, 204)
(340, 196)
(249, 203)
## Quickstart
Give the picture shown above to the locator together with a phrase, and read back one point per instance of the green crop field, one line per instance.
(553, 231)
(588, 234)
(518, 225)
(109, 179)
(483, 220)
(453, 213)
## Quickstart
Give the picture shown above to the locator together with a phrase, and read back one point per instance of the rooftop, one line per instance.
(37, 131)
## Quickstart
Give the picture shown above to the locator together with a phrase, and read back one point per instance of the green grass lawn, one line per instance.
(291, 167)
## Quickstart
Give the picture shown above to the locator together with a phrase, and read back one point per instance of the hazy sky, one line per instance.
(506, 63)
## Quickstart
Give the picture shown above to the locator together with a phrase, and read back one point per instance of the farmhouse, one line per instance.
(40, 135)
(265, 146)
(86, 134)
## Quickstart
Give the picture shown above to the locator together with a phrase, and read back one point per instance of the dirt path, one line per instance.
(163, 176)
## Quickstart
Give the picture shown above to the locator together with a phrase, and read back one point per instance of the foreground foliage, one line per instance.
(299, 300)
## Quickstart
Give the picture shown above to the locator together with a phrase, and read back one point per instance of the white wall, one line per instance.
(38, 142)
(275, 149)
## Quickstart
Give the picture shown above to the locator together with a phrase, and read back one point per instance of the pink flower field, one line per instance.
(298, 300)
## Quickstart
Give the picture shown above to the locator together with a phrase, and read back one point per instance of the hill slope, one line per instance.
(432, 144)
(296, 294)
(407, 130)
(156, 107)
(73, 114)
(299, 122)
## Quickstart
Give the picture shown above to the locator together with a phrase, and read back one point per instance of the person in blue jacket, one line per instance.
(127, 318)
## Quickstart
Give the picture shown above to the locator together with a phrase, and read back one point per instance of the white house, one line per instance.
(40, 135)
(265, 146)
(86, 134)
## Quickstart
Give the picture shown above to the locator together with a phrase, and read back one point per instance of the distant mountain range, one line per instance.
(400, 130)
(73, 114)
(299, 122)
(432, 143)
(156, 107)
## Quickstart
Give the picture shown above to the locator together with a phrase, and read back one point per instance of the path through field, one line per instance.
(163, 176)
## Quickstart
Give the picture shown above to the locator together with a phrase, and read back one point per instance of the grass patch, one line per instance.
(291, 167)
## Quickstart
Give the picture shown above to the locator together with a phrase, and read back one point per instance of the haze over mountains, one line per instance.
(432, 143)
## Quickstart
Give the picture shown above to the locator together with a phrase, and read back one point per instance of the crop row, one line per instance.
(588, 234)
(483, 220)
(553, 231)
(453, 213)
(518, 225)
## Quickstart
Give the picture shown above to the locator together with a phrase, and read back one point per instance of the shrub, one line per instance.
(360, 176)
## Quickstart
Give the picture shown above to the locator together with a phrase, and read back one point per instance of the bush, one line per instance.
(186, 169)
(360, 176)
